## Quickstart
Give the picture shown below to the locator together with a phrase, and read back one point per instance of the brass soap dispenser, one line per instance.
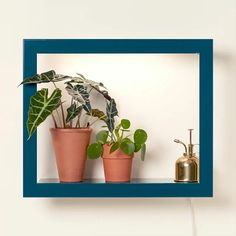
(187, 166)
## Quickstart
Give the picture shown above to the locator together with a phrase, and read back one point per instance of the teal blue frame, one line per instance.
(203, 47)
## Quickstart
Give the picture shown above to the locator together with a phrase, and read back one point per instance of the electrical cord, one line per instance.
(193, 220)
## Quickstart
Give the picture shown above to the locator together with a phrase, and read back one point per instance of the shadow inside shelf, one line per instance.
(102, 181)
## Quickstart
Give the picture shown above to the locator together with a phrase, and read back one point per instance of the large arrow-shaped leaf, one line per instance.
(111, 111)
(91, 83)
(80, 94)
(41, 107)
(97, 113)
(40, 78)
(98, 86)
(72, 112)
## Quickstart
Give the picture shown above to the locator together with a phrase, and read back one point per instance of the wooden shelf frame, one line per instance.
(143, 188)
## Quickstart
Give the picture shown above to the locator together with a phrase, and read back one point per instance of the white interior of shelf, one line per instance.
(157, 92)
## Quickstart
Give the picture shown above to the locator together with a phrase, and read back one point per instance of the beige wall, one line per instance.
(118, 19)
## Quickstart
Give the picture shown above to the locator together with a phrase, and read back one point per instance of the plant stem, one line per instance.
(90, 90)
(63, 116)
(78, 121)
(59, 118)
(122, 134)
(54, 120)
(128, 135)
(62, 111)
(113, 137)
(100, 118)
(94, 121)
(71, 124)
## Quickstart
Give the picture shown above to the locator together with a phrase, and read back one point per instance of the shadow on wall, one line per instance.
(102, 204)
(222, 185)
(220, 200)
(224, 136)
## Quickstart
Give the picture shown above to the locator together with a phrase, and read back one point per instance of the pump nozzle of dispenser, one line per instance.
(189, 150)
(185, 147)
(190, 146)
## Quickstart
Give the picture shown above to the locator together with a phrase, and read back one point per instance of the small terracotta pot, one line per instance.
(70, 146)
(117, 165)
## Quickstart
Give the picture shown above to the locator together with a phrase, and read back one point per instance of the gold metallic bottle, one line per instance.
(187, 166)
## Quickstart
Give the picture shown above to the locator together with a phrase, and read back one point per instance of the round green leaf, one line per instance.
(125, 123)
(114, 147)
(140, 136)
(101, 136)
(94, 150)
(126, 139)
(137, 147)
(127, 147)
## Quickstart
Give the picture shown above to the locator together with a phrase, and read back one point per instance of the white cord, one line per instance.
(192, 213)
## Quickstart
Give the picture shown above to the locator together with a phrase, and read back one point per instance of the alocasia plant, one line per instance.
(79, 88)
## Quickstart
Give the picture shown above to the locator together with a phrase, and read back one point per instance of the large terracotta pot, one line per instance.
(70, 147)
(117, 165)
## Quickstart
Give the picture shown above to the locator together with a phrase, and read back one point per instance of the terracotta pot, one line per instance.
(70, 147)
(117, 165)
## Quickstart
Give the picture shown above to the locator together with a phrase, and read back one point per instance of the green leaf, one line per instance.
(72, 112)
(140, 136)
(117, 131)
(114, 147)
(143, 152)
(111, 111)
(41, 107)
(94, 150)
(137, 147)
(126, 139)
(127, 147)
(97, 113)
(102, 136)
(40, 78)
(80, 94)
(59, 77)
(125, 123)
(98, 86)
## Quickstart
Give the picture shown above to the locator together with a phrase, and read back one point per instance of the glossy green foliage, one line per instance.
(41, 106)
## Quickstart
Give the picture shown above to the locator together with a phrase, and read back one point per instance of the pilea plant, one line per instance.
(79, 88)
(118, 137)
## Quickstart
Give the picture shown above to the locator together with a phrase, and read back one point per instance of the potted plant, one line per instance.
(70, 137)
(115, 146)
